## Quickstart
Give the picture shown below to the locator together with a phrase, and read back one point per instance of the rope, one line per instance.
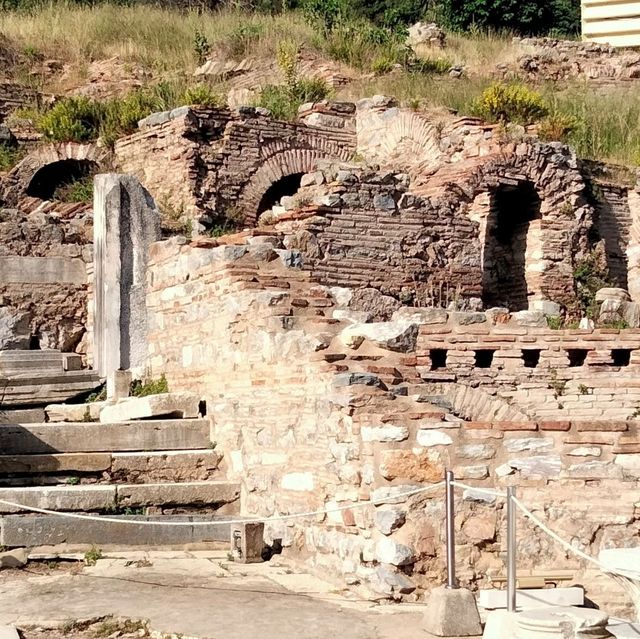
(315, 513)
(485, 491)
(631, 574)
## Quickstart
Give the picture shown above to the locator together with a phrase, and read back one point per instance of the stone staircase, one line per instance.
(148, 470)
(156, 469)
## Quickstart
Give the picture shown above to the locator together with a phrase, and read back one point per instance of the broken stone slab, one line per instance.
(9, 632)
(611, 293)
(181, 405)
(394, 336)
(16, 558)
(452, 612)
(387, 521)
(74, 412)
(564, 622)
(493, 599)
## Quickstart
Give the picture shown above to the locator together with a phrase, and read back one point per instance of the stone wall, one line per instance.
(215, 164)
(367, 419)
(443, 237)
(44, 254)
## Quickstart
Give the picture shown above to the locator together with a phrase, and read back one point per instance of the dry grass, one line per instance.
(163, 40)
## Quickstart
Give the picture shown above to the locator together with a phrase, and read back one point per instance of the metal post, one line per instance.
(511, 550)
(452, 582)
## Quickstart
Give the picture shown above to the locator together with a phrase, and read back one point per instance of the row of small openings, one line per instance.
(483, 358)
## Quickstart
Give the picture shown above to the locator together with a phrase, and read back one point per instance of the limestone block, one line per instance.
(387, 433)
(391, 552)
(538, 466)
(183, 405)
(480, 528)
(181, 494)
(426, 33)
(15, 558)
(387, 521)
(611, 293)
(391, 494)
(430, 437)
(476, 451)
(452, 612)
(55, 463)
(298, 481)
(533, 444)
(85, 498)
(394, 336)
(472, 472)
(390, 581)
(465, 319)
(14, 329)
(42, 270)
(421, 315)
(534, 319)
(631, 314)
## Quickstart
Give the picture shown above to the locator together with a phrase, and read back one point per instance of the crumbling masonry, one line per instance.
(390, 308)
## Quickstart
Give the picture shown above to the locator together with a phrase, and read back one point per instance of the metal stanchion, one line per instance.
(511, 550)
(452, 582)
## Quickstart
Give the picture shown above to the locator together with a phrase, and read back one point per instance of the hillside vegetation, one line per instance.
(162, 47)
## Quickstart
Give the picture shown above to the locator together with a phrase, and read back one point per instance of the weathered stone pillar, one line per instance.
(126, 222)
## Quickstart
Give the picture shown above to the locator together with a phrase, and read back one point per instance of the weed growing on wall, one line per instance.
(148, 387)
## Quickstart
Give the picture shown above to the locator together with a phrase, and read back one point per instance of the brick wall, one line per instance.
(314, 407)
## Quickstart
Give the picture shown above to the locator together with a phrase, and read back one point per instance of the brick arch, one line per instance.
(281, 163)
(22, 175)
(476, 405)
(560, 234)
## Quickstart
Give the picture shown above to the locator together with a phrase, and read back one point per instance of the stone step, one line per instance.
(17, 363)
(50, 530)
(22, 416)
(40, 390)
(182, 405)
(123, 467)
(92, 437)
(111, 497)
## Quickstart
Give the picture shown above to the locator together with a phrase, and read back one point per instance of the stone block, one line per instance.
(391, 552)
(430, 437)
(30, 364)
(22, 416)
(562, 621)
(50, 530)
(421, 315)
(73, 498)
(611, 293)
(16, 558)
(16, 269)
(387, 433)
(452, 612)
(118, 385)
(205, 493)
(393, 336)
(411, 465)
(390, 581)
(55, 463)
(74, 412)
(180, 405)
(387, 521)
(493, 599)
(247, 542)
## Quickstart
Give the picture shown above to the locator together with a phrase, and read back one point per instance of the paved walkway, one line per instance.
(201, 595)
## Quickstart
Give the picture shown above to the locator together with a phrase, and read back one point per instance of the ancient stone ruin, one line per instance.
(347, 306)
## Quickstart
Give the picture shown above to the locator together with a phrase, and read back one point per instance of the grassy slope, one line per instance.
(163, 41)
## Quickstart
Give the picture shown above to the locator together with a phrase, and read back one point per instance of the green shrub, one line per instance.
(149, 387)
(590, 276)
(9, 157)
(71, 119)
(201, 46)
(80, 190)
(202, 95)
(510, 103)
(558, 127)
(434, 66)
(383, 64)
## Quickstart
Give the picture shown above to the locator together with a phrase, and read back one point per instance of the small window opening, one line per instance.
(621, 356)
(577, 356)
(531, 357)
(484, 358)
(438, 358)
(34, 343)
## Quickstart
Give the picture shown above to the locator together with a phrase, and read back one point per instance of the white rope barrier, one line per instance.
(244, 520)
(482, 491)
